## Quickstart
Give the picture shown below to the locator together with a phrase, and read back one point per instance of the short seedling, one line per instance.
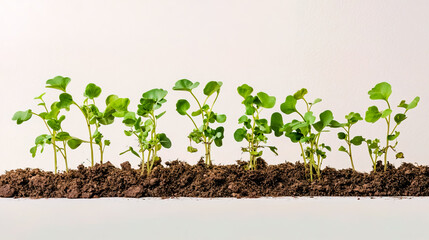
(352, 118)
(382, 91)
(374, 151)
(115, 107)
(52, 121)
(307, 131)
(254, 129)
(203, 133)
(146, 132)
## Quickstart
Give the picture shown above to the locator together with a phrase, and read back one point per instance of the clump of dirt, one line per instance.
(179, 179)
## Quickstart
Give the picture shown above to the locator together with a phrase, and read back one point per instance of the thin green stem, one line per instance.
(89, 132)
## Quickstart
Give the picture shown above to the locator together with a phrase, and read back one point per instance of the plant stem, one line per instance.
(65, 156)
(387, 140)
(89, 132)
(55, 151)
(350, 148)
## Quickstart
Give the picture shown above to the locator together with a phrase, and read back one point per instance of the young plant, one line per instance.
(115, 107)
(305, 131)
(254, 129)
(352, 118)
(52, 121)
(375, 151)
(204, 133)
(146, 132)
(382, 91)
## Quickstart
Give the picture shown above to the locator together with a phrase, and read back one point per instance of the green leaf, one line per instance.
(220, 118)
(160, 115)
(157, 95)
(399, 118)
(266, 100)
(294, 136)
(357, 140)
(58, 82)
(309, 117)
(219, 135)
(325, 118)
(244, 90)
(74, 143)
(301, 93)
(317, 100)
(107, 142)
(191, 149)
(353, 117)
(182, 106)
(40, 97)
(130, 149)
(386, 113)
(22, 116)
(335, 124)
(277, 123)
(92, 91)
(343, 149)
(164, 140)
(393, 136)
(372, 114)
(129, 119)
(185, 85)
(212, 87)
(120, 105)
(342, 135)
(240, 134)
(412, 105)
(273, 149)
(111, 98)
(33, 151)
(55, 124)
(128, 133)
(289, 106)
(381, 91)
(63, 136)
(66, 100)
(399, 155)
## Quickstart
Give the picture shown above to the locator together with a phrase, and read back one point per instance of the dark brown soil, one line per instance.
(179, 179)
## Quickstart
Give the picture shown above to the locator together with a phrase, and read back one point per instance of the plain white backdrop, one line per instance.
(338, 50)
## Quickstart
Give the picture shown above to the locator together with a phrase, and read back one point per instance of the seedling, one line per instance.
(115, 107)
(204, 133)
(382, 91)
(307, 131)
(52, 121)
(146, 133)
(374, 151)
(254, 129)
(352, 118)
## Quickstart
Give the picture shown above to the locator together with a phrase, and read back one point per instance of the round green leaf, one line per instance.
(372, 114)
(399, 118)
(381, 91)
(342, 149)
(220, 118)
(414, 103)
(58, 82)
(244, 90)
(185, 85)
(289, 106)
(74, 143)
(266, 100)
(212, 87)
(92, 91)
(342, 136)
(386, 113)
(240, 134)
(65, 101)
(156, 94)
(22, 116)
(276, 123)
(325, 118)
(182, 106)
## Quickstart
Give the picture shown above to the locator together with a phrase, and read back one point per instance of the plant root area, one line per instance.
(179, 179)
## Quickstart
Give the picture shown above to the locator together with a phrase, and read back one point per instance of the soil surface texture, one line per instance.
(179, 179)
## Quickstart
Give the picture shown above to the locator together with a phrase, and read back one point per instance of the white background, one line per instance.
(337, 49)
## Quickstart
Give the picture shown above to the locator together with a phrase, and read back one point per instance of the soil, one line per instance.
(179, 179)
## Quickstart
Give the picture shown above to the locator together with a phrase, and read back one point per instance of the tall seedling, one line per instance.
(146, 130)
(382, 91)
(254, 129)
(204, 133)
(52, 121)
(305, 131)
(115, 107)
